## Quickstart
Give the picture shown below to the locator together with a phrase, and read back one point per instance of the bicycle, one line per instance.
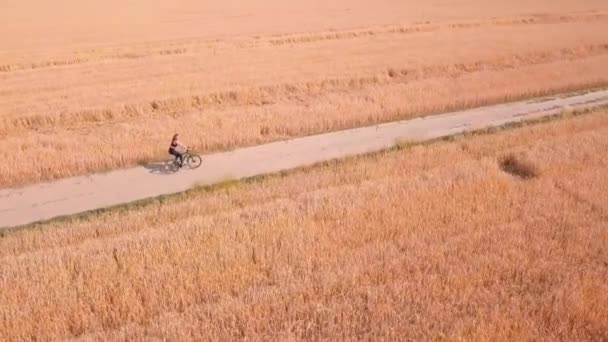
(190, 159)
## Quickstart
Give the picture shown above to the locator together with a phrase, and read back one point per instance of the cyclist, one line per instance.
(175, 147)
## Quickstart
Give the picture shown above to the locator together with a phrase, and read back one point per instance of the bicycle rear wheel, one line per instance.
(194, 161)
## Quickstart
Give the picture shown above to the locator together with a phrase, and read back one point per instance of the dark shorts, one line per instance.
(174, 152)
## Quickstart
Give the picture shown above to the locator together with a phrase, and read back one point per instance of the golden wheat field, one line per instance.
(90, 86)
(489, 237)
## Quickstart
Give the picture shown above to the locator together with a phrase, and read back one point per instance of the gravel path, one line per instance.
(20, 206)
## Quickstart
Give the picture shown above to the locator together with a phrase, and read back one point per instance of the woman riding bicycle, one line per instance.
(173, 149)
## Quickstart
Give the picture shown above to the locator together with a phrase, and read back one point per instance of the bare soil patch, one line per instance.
(518, 167)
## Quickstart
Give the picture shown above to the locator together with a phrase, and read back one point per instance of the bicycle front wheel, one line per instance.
(194, 161)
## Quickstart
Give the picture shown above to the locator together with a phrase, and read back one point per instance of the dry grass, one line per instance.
(78, 98)
(431, 242)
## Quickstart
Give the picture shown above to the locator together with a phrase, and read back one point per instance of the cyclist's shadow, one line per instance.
(166, 167)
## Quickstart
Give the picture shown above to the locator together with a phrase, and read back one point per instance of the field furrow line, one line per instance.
(431, 27)
(169, 48)
(286, 92)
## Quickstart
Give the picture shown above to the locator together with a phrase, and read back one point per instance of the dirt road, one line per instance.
(70, 196)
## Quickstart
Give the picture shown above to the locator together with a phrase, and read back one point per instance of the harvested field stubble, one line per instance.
(429, 242)
(83, 99)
